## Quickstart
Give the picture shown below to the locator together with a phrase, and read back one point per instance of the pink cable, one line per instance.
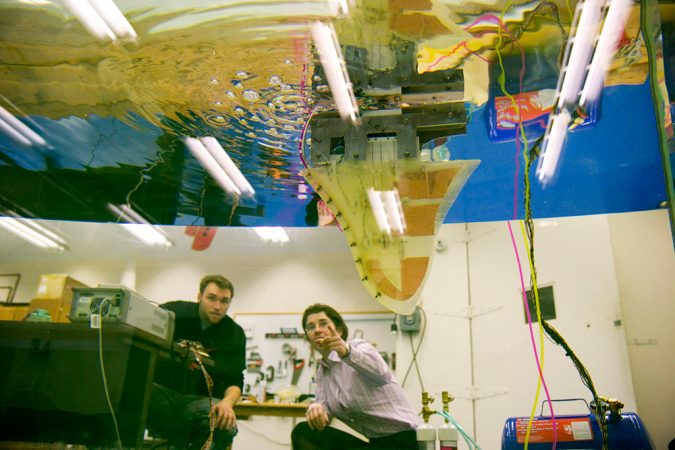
(521, 76)
(491, 18)
(301, 143)
(534, 345)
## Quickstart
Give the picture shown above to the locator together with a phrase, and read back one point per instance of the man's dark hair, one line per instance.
(218, 280)
(333, 315)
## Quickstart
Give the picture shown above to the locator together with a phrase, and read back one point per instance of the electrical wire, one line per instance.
(535, 290)
(301, 142)
(534, 348)
(417, 368)
(520, 130)
(415, 351)
(527, 229)
(600, 409)
(514, 36)
(103, 377)
(142, 175)
(195, 348)
(468, 439)
(202, 194)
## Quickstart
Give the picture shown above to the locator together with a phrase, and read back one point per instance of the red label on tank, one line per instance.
(569, 429)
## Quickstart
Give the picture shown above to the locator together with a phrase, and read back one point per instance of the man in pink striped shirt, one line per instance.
(355, 385)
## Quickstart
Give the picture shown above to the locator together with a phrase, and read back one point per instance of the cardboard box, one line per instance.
(56, 286)
(20, 312)
(13, 311)
(55, 294)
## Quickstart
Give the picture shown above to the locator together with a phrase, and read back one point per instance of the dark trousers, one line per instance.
(183, 420)
(305, 438)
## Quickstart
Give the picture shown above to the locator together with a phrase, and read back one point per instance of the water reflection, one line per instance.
(114, 114)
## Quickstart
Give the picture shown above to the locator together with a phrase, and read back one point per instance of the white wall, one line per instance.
(645, 265)
(89, 272)
(576, 257)
(477, 269)
(262, 284)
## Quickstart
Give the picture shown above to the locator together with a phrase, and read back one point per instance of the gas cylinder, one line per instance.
(448, 436)
(426, 437)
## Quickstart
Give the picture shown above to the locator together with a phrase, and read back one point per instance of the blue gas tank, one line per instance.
(626, 431)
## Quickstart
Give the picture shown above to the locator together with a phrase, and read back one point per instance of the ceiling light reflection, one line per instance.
(388, 211)
(334, 67)
(18, 131)
(275, 235)
(219, 165)
(102, 19)
(139, 227)
(31, 231)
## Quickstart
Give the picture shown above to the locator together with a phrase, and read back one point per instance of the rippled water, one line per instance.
(238, 71)
(243, 72)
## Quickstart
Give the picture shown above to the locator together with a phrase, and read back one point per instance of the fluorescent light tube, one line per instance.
(553, 143)
(148, 234)
(89, 18)
(387, 209)
(394, 210)
(33, 233)
(102, 18)
(588, 17)
(13, 134)
(333, 64)
(114, 18)
(272, 234)
(140, 227)
(615, 21)
(19, 131)
(224, 161)
(338, 8)
(377, 206)
(211, 165)
(582, 44)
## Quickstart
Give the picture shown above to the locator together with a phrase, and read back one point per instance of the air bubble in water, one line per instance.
(250, 95)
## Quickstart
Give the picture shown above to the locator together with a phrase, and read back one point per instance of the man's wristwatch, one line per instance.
(349, 350)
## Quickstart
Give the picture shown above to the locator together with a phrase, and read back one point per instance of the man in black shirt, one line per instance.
(183, 417)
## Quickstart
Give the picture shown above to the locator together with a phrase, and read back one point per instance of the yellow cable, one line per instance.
(502, 75)
(502, 85)
(569, 11)
(106, 391)
(541, 330)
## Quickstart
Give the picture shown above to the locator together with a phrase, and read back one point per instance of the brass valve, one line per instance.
(446, 399)
(426, 411)
(615, 407)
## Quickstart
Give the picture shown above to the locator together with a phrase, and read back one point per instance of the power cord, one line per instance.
(197, 349)
(97, 321)
(416, 350)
